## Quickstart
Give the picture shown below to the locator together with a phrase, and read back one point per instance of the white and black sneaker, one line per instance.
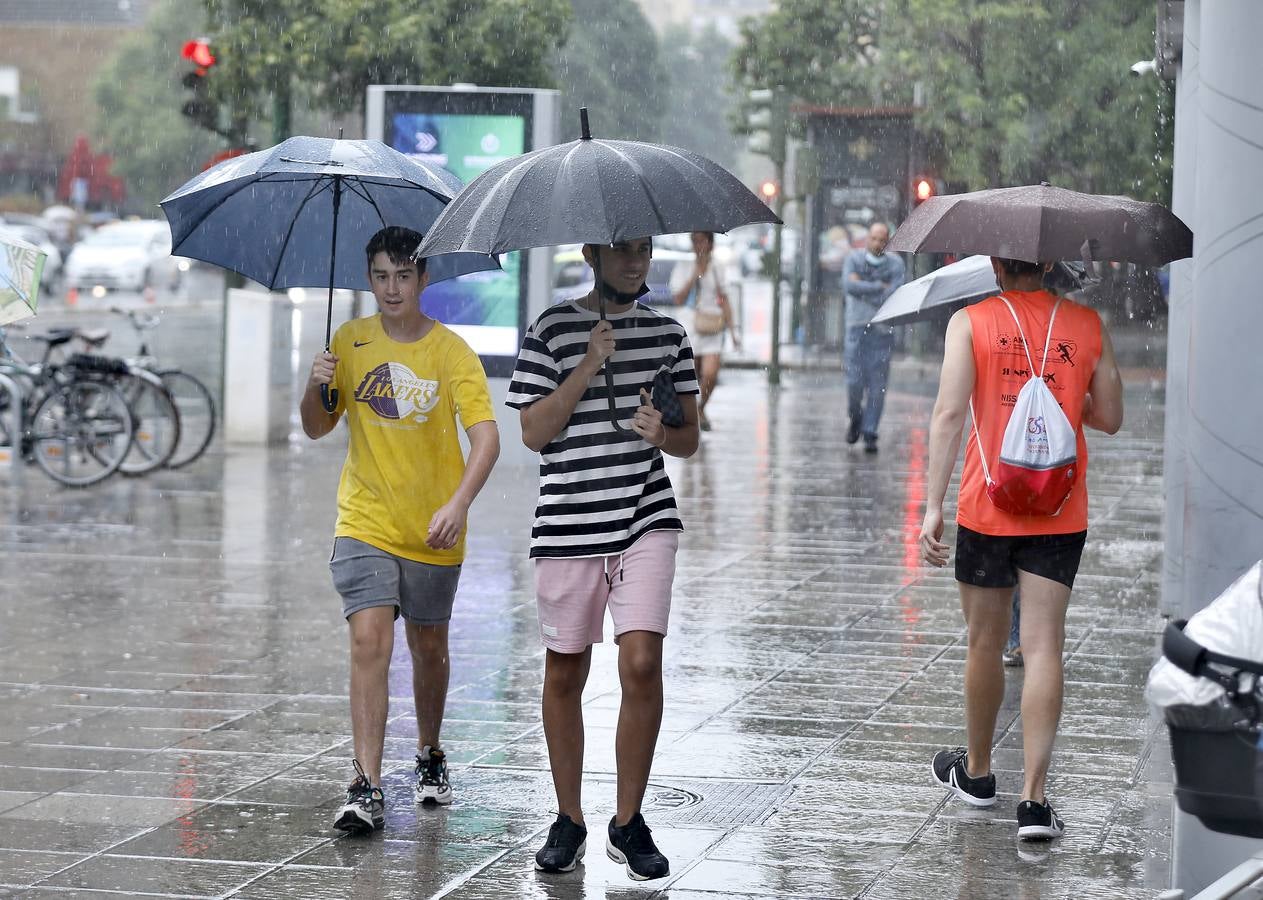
(365, 808)
(564, 849)
(432, 783)
(1038, 821)
(950, 771)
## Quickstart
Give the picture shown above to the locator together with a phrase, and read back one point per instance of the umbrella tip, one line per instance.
(585, 132)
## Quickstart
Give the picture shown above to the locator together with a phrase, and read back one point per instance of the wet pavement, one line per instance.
(173, 671)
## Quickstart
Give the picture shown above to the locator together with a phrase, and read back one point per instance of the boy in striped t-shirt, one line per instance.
(606, 531)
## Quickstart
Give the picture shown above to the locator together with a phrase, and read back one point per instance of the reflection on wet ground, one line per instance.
(173, 684)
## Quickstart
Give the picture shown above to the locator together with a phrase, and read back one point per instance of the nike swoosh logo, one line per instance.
(360, 343)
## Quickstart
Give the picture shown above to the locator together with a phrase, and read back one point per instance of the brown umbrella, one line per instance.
(1039, 223)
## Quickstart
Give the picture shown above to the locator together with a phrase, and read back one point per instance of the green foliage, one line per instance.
(612, 65)
(1011, 92)
(333, 49)
(698, 102)
(138, 98)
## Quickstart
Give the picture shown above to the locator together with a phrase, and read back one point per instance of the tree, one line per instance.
(611, 64)
(700, 95)
(331, 50)
(1010, 91)
(139, 96)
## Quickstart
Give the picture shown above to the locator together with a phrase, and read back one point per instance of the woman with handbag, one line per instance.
(698, 285)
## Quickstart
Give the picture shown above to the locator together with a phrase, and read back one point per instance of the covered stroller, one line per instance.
(1210, 687)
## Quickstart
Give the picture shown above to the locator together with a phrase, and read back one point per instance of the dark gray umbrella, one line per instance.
(1039, 223)
(299, 215)
(592, 191)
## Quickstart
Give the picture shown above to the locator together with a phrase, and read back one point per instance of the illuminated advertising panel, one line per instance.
(466, 132)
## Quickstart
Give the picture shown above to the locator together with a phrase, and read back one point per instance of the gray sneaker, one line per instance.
(432, 782)
(365, 808)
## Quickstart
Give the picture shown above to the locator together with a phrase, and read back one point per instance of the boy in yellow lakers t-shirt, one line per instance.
(402, 381)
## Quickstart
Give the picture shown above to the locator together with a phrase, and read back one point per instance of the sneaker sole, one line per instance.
(578, 858)
(431, 795)
(621, 858)
(1039, 833)
(969, 798)
(352, 822)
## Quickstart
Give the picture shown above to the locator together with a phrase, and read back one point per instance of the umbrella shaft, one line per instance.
(333, 257)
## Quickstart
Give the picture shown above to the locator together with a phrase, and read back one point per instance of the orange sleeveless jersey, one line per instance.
(1001, 369)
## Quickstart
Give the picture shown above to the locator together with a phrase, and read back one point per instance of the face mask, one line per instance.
(872, 260)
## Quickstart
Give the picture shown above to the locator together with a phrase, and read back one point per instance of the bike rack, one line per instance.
(14, 426)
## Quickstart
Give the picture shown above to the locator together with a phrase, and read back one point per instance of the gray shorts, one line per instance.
(366, 576)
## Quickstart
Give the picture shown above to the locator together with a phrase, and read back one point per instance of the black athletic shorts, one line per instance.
(986, 560)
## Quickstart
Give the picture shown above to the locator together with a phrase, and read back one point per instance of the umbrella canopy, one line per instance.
(1039, 223)
(269, 215)
(21, 267)
(593, 191)
(958, 284)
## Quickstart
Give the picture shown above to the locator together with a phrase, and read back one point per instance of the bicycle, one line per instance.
(193, 400)
(76, 427)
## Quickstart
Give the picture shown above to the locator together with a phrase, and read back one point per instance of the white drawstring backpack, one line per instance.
(1038, 460)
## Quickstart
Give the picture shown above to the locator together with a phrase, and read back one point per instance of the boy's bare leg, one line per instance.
(1044, 603)
(431, 670)
(639, 717)
(372, 635)
(565, 675)
(987, 614)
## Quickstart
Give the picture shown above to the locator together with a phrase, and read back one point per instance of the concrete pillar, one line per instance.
(1218, 411)
(1180, 313)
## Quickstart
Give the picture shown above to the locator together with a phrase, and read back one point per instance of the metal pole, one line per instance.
(774, 365)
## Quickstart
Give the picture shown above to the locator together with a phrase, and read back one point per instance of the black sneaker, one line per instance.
(853, 431)
(870, 443)
(633, 846)
(949, 770)
(431, 772)
(365, 808)
(1038, 821)
(565, 846)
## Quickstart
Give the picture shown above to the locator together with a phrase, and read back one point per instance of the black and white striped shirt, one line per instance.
(599, 489)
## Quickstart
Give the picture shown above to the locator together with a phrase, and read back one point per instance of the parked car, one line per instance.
(573, 278)
(129, 255)
(33, 234)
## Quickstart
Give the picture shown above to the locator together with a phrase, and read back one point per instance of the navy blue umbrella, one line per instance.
(268, 215)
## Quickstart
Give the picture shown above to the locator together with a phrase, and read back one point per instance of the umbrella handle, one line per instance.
(329, 398)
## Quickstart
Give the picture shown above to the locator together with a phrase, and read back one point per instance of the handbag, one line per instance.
(711, 321)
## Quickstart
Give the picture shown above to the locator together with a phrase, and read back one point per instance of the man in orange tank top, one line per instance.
(986, 359)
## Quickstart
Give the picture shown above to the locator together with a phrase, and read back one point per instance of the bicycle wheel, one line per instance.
(80, 432)
(157, 423)
(197, 415)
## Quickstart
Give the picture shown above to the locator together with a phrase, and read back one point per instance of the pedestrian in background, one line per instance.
(403, 382)
(991, 349)
(869, 276)
(699, 286)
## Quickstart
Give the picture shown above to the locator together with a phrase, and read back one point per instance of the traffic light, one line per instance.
(767, 123)
(200, 108)
(768, 191)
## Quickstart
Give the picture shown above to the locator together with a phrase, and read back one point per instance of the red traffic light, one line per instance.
(199, 53)
(923, 189)
(769, 190)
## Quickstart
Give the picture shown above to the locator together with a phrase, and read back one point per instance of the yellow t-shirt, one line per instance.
(405, 459)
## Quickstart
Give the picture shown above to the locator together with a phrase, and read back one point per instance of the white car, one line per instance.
(125, 256)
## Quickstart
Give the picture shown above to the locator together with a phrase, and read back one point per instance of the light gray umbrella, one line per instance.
(21, 267)
(1038, 223)
(958, 284)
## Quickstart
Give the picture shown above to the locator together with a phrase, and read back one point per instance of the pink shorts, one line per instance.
(636, 585)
